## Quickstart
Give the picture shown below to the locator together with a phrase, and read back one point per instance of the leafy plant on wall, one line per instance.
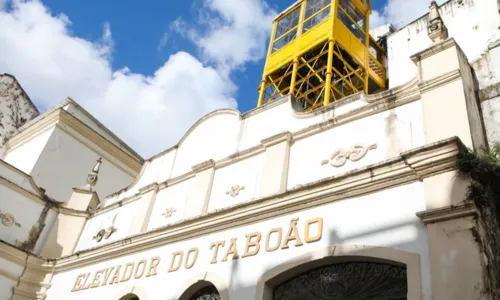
(482, 169)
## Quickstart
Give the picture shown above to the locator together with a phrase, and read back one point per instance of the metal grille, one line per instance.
(347, 281)
(206, 293)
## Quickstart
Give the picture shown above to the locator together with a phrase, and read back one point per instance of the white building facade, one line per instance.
(356, 200)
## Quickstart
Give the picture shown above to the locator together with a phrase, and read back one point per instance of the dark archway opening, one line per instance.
(130, 297)
(347, 281)
(207, 293)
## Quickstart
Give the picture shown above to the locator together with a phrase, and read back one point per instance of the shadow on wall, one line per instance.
(339, 252)
(52, 248)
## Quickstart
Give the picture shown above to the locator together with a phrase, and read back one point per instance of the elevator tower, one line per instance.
(321, 51)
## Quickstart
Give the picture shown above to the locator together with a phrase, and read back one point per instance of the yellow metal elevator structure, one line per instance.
(321, 51)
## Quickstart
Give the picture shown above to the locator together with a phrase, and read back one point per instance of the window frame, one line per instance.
(328, 6)
(283, 35)
(363, 30)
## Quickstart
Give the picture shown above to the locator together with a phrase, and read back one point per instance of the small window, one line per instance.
(316, 12)
(353, 19)
(286, 29)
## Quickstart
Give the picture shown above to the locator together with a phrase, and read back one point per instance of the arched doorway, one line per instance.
(209, 292)
(130, 297)
(347, 281)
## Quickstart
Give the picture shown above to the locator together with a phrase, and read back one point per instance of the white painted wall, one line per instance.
(175, 197)
(50, 220)
(393, 131)
(213, 138)
(121, 218)
(473, 24)
(26, 155)
(25, 210)
(7, 284)
(87, 120)
(366, 220)
(245, 174)
(221, 134)
(65, 163)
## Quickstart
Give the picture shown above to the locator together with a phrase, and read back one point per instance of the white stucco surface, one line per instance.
(392, 132)
(50, 220)
(74, 161)
(218, 135)
(26, 155)
(473, 24)
(244, 174)
(122, 219)
(174, 197)
(361, 221)
(25, 211)
(7, 284)
(89, 121)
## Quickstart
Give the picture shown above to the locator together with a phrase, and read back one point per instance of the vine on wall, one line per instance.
(483, 171)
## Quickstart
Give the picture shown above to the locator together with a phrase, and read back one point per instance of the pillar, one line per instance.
(274, 174)
(197, 203)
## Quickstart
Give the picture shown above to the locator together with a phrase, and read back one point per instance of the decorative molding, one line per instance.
(203, 166)
(377, 103)
(410, 167)
(235, 190)
(467, 209)
(104, 233)
(8, 220)
(436, 28)
(169, 212)
(64, 120)
(340, 157)
(434, 49)
(285, 136)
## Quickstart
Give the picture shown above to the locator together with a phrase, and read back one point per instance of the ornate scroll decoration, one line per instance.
(235, 190)
(436, 29)
(93, 175)
(355, 153)
(169, 212)
(105, 233)
(8, 220)
(349, 281)
(207, 293)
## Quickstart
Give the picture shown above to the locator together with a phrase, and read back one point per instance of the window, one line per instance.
(316, 12)
(286, 29)
(353, 19)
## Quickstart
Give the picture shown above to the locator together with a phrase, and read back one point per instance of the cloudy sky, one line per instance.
(148, 69)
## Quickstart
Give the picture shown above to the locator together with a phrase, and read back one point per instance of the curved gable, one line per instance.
(215, 136)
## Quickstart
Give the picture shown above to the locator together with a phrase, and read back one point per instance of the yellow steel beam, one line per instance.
(261, 93)
(274, 84)
(312, 69)
(294, 75)
(328, 85)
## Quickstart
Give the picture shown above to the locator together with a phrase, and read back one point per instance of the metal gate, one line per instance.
(347, 281)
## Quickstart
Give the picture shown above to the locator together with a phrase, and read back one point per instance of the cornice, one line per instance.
(62, 117)
(103, 143)
(434, 49)
(466, 209)
(377, 103)
(203, 166)
(426, 161)
(439, 81)
(276, 139)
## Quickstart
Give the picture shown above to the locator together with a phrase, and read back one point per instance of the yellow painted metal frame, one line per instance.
(323, 64)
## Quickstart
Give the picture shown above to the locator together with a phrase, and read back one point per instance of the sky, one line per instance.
(148, 70)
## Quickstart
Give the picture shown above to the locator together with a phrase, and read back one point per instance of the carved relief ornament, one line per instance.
(8, 220)
(104, 233)
(235, 190)
(355, 153)
(169, 212)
